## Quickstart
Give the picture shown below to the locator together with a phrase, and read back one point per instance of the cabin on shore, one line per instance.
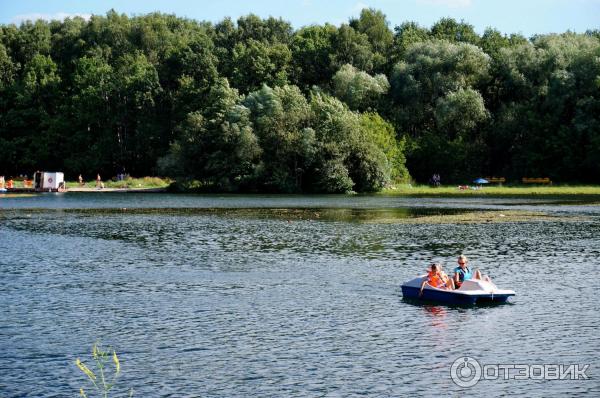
(46, 181)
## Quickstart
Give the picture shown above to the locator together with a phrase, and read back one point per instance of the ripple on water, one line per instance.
(215, 305)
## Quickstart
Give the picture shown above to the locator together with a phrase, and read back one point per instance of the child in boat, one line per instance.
(447, 280)
(437, 278)
(463, 273)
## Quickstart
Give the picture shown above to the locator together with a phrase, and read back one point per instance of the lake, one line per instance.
(265, 295)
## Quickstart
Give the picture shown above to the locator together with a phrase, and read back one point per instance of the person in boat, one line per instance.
(437, 278)
(447, 280)
(464, 273)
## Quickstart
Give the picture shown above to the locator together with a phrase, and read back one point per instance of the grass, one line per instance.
(494, 191)
(131, 183)
(399, 190)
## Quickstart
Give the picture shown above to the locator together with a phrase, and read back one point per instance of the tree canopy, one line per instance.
(256, 105)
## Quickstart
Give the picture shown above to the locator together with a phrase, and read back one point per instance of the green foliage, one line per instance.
(332, 177)
(432, 68)
(374, 25)
(351, 47)
(438, 105)
(7, 69)
(547, 92)
(381, 133)
(407, 34)
(218, 145)
(281, 117)
(460, 111)
(350, 155)
(253, 104)
(358, 89)
(257, 63)
(311, 47)
(40, 77)
(452, 31)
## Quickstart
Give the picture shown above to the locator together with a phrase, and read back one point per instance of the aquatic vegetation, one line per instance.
(101, 379)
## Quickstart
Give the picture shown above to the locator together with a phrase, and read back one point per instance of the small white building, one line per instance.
(49, 181)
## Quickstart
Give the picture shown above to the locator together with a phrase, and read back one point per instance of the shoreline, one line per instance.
(84, 189)
(587, 192)
(120, 190)
(541, 192)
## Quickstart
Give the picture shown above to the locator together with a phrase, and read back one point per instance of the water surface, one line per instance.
(243, 302)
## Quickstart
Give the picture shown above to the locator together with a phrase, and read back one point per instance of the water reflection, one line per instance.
(437, 315)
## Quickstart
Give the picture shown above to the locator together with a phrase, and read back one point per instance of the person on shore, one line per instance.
(99, 183)
(464, 273)
(437, 278)
(80, 180)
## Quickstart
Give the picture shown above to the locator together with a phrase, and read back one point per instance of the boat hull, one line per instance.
(472, 293)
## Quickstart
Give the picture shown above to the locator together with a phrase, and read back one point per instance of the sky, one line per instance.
(527, 17)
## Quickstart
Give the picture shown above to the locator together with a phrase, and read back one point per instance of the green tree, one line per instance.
(407, 34)
(136, 88)
(218, 145)
(270, 30)
(351, 47)
(90, 147)
(311, 48)
(30, 120)
(136, 92)
(429, 71)
(348, 157)
(459, 112)
(358, 89)
(7, 69)
(281, 122)
(382, 134)
(257, 63)
(374, 25)
(432, 86)
(451, 30)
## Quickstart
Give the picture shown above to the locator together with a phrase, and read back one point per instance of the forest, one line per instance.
(255, 105)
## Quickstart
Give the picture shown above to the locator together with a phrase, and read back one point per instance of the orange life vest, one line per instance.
(435, 280)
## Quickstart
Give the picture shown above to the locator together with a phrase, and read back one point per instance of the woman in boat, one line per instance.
(463, 272)
(437, 278)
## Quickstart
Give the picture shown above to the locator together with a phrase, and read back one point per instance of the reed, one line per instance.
(103, 379)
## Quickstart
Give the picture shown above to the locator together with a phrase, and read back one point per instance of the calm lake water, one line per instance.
(218, 296)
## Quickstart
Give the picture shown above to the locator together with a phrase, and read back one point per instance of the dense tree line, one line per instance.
(257, 105)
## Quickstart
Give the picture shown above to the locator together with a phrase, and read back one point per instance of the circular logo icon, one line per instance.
(465, 372)
(50, 180)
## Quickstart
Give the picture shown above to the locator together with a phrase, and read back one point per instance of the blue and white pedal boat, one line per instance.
(471, 292)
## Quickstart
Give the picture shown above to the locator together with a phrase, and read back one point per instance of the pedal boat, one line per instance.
(471, 292)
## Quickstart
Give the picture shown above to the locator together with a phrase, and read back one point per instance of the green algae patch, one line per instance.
(411, 215)
(477, 217)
